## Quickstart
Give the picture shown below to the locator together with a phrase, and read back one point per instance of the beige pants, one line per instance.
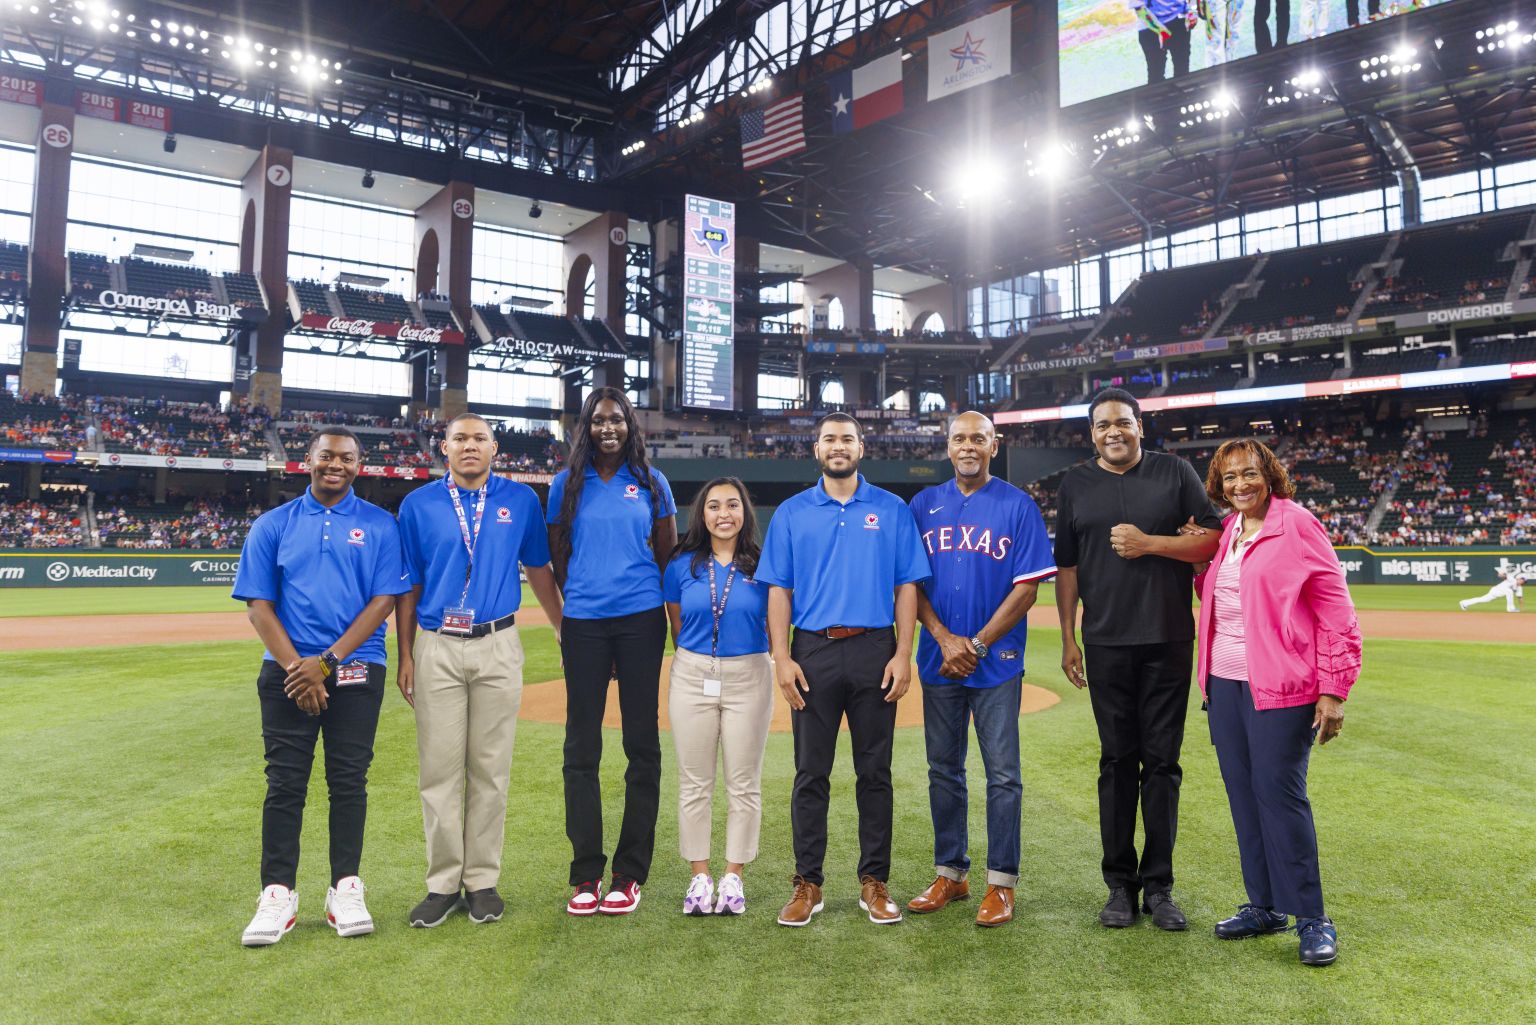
(468, 691)
(733, 725)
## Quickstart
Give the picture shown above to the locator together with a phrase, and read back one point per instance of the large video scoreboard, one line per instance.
(709, 303)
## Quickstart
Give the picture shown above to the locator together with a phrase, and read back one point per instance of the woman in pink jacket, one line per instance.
(1279, 651)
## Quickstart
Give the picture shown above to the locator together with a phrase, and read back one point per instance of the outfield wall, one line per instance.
(72, 568)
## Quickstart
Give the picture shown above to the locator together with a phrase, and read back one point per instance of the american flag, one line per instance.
(772, 133)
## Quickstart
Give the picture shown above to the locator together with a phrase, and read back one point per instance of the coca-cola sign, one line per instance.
(361, 327)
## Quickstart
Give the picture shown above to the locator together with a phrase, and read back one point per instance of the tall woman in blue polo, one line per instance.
(319, 576)
(612, 528)
(720, 696)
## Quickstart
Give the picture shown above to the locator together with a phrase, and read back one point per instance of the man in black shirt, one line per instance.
(1119, 550)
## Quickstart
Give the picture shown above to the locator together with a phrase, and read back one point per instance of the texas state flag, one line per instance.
(866, 94)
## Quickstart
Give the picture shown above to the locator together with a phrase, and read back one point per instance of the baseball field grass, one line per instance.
(130, 821)
(90, 601)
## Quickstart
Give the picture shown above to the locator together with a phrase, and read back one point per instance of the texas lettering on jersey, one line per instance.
(962, 538)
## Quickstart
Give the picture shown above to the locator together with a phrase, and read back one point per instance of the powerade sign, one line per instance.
(56, 568)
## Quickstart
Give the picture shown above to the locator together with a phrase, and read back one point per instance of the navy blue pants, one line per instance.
(948, 709)
(1263, 758)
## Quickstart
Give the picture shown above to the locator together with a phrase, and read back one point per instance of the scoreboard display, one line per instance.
(708, 354)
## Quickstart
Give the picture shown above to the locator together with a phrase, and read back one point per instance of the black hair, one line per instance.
(841, 418)
(466, 415)
(697, 540)
(634, 456)
(335, 432)
(1114, 395)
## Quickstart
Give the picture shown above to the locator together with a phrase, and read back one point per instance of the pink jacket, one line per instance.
(1299, 623)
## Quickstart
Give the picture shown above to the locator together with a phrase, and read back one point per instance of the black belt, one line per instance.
(482, 629)
(837, 633)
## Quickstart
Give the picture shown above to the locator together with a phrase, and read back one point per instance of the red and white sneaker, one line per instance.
(623, 896)
(586, 898)
(345, 910)
(276, 912)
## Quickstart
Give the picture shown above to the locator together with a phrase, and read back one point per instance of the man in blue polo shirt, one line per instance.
(319, 576)
(843, 561)
(463, 537)
(989, 550)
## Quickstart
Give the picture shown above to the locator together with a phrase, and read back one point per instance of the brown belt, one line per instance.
(837, 633)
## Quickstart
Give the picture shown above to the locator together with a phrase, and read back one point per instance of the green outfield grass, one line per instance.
(130, 823)
(95, 601)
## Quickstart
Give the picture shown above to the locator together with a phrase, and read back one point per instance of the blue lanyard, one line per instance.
(717, 611)
(471, 542)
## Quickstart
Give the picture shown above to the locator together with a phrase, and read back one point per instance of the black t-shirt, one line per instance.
(1131, 601)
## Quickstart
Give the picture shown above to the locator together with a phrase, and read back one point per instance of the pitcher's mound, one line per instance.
(545, 702)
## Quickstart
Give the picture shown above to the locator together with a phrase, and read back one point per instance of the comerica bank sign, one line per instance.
(173, 307)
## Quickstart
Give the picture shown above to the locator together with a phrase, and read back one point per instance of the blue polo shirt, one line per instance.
(744, 624)
(979, 546)
(843, 561)
(320, 567)
(612, 571)
(511, 532)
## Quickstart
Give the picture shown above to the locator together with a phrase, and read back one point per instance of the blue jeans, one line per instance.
(947, 708)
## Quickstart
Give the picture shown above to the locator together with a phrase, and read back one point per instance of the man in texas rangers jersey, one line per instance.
(988, 548)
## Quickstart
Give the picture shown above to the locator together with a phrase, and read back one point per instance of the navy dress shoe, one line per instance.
(1166, 915)
(1319, 941)
(1250, 920)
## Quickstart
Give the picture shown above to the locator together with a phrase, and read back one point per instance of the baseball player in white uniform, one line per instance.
(1511, 589)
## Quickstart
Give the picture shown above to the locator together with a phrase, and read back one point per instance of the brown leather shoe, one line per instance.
(939, 893)
(805, 903)
(996, 907)
(876, 899)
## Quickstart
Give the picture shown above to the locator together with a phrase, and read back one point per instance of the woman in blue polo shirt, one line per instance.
(611, 529)
(720, 696)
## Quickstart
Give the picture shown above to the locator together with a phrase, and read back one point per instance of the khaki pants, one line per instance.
(735, 725)
(468, 691)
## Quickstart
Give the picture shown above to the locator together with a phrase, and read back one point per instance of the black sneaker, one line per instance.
(1120, 910)
(433, 910)
(485, 905)
(1166, 915)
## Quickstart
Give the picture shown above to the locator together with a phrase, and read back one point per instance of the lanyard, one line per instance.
(471, 542)
(717, 611)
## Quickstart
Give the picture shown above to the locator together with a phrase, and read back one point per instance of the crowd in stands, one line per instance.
(53, 523)
(164, 428)
(46, 422)
(1413, 292)
(133, 521)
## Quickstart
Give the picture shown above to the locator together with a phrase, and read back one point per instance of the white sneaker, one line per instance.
(1463, 605)
(276, 912)
(732, 899)
(700, 899)
(345, 910)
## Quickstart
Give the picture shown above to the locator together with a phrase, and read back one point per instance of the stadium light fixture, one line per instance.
(367, 179)
(1051, 162)
(979, 179)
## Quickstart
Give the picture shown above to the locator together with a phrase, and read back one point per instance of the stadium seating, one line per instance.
(167, 280)
(1211, 377)
(53, 522)
(494, 321)
(42, 422)
(132, 522)
(1398, 362)
(312, 297)
(13, 271)
(89, 275)
(1300, 370)
(1498, 350)
(372, 305)
(243, 291)
(439, 318)
(1305, 286)
(545, 327)
(1450, 265)
(158, 427)
(1179, 303)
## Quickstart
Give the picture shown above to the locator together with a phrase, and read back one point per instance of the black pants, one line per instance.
(1262, 42)
(592, 649)
(844, 677)
(1157, 52)
(348, 724)
(1140, 695)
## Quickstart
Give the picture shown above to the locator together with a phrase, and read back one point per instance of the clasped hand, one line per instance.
(305, 684)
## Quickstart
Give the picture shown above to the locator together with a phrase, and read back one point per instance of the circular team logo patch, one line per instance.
(631, 490)
(356, 536)
(871, 522)
(503, 515)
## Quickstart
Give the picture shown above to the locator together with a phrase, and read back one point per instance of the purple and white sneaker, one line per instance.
(701, 896)
(731, 901)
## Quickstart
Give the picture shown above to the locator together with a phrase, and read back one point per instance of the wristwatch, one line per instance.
(981, 648)
(329, 662)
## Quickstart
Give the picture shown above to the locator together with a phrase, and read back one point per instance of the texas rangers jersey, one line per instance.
(979, 546)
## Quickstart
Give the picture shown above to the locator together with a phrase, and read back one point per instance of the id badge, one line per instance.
(458, 621)
(351, 675)
(711, 688)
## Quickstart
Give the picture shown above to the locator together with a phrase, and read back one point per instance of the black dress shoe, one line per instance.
(1120, 910)
(433, 910)
(1319, 942)
(1250, 920)
(1165, 913)
(484, 905)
